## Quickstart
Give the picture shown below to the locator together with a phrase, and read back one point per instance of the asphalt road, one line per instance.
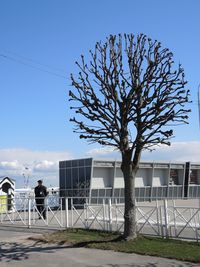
(17, 251)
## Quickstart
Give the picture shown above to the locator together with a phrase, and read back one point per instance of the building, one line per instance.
(7, 188)
(7, 185)
(98, 178)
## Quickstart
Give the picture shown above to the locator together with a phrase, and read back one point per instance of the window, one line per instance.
(62, 179)
(75, 178)
(193, 177)
(68, 178)
(173, 180)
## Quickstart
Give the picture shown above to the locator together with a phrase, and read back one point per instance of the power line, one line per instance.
(33, 66)
(34, 61)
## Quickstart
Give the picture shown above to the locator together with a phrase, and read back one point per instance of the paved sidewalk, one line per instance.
(12, 234)
(17, 251)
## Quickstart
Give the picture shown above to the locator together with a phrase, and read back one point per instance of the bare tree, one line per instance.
(127, 97)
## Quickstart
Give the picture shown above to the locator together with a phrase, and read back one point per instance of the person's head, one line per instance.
(39, 182)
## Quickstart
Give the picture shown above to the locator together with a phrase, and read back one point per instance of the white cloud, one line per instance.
(100, 151)
(20, 163)
(45, 166)
(178, 151)
(10, 165)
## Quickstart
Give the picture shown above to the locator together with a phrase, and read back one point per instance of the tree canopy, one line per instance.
(128, 93)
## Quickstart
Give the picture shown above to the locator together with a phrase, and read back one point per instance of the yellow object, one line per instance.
(3, 204)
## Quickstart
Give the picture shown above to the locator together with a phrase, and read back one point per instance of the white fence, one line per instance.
(166, 218)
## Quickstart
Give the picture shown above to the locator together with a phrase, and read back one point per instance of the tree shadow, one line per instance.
(86, 243)
(172, 264)
(14, 251)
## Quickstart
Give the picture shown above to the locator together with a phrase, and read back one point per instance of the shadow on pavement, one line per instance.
(13, 251)
(152, 265)
(173, 264)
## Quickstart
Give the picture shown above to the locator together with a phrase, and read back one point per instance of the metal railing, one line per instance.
(167, 218)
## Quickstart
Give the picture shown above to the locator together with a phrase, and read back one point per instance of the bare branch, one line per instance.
(128, 94)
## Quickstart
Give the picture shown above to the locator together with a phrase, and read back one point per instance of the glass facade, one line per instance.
(75, 177)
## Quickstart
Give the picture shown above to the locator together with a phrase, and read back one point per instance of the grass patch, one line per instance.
(79, 237)
(167, 248)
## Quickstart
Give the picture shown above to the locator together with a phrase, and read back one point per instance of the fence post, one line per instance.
(161, 220)
(66, 213)
(175, 215)
(157, 216)
(29, 212)
(110, 213)
(166, 219)
(46, 209)
(116, 214)
(136, 213)
(104, 215)
(72, 207)
(86, 214)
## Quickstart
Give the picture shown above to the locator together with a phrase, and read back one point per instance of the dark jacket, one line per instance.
(41, 191)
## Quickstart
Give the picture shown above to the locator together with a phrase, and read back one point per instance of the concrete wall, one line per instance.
(102, 177)
(119, 179)
(143, 178)
(160, 177)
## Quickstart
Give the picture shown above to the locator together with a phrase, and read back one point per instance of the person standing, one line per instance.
(40, 194)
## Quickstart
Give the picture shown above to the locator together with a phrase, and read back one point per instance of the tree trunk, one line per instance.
(130, 226)
(129, 169)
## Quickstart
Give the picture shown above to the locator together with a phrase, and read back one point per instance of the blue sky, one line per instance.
(51, 35)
